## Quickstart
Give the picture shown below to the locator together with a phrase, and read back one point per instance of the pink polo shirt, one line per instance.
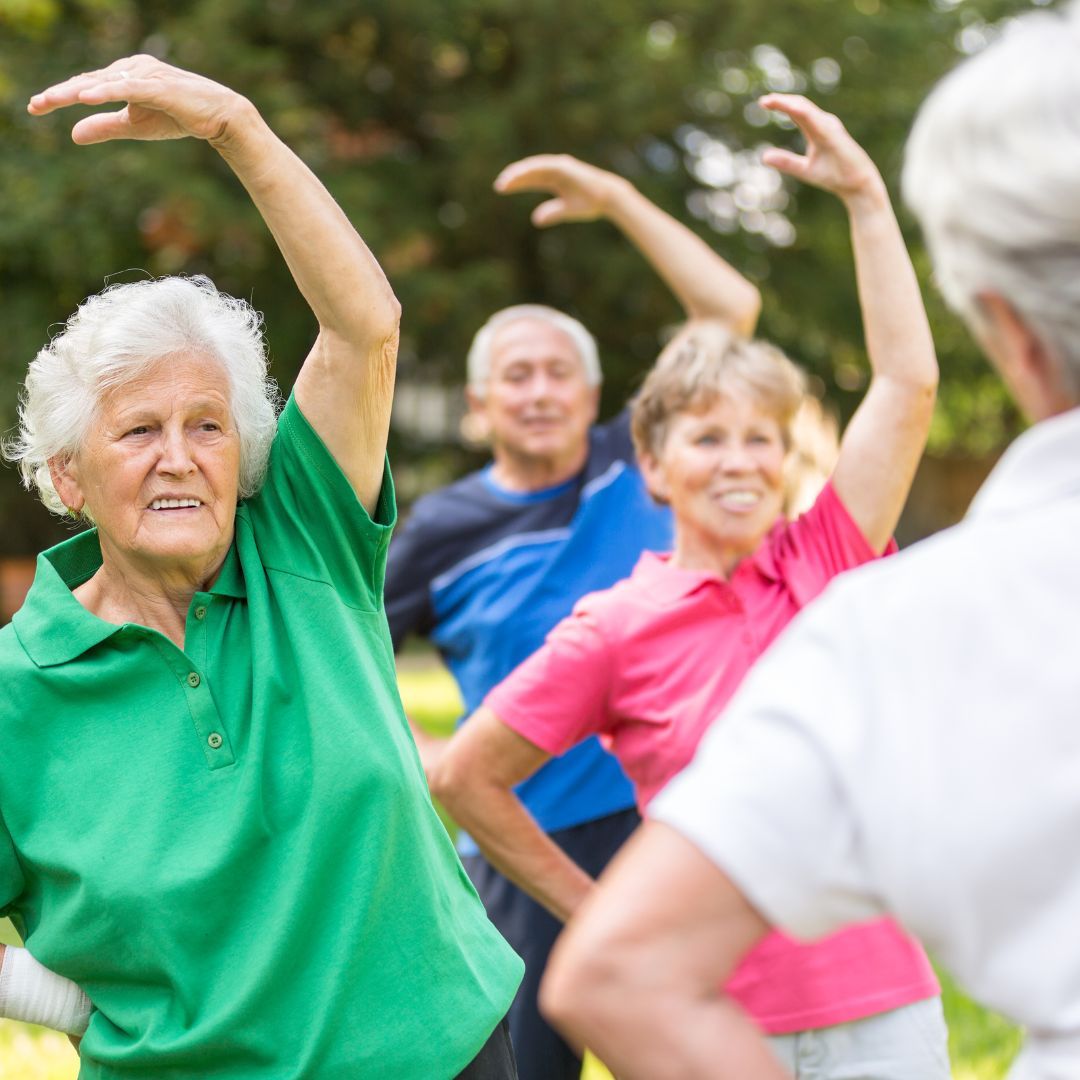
(647, 665)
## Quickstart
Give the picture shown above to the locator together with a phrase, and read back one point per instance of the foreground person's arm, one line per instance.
(884, 441)
(34, 995)
(474, 779)
(706, 285)
(346, 384)
(635, 976)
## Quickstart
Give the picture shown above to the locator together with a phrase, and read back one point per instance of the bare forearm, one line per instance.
(898, 337)
(333, 268)
(706, 285)
(345, 387)
(518, 848)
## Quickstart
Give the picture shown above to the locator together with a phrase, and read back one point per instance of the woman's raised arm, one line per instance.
(346, 384)
(707, 286)
(883, 442)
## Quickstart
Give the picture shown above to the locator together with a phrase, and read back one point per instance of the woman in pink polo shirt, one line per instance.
(651, 662)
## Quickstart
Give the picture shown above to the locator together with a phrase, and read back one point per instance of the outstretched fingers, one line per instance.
(812, 120)
(833, 159)
(101, 127)
(540, 172)
(550, 213)
(88, 88)
(162, 102)
(786, 161)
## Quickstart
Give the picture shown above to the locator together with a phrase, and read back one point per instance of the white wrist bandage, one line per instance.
(36, 995)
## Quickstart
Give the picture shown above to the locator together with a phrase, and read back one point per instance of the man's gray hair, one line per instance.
(478, 366)
(992, 172)
(126, 330)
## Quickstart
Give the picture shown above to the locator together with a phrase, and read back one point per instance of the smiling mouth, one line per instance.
(175, 504)
(738, 500)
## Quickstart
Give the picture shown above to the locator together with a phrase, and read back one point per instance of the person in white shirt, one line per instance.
(911, 745)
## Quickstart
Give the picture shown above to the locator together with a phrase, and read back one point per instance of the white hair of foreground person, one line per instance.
(992, 172)
(478, 364)
(119, 334)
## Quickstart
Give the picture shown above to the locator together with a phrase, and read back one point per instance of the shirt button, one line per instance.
(193, 678)
(200, 612)
(215, 740)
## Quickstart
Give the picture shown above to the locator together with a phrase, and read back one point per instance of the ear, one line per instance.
(595, 394)
(64, 474)
(475, 425)
(654, 476)
(1030, 370)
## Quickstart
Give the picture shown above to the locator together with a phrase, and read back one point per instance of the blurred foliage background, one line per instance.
(408, 110)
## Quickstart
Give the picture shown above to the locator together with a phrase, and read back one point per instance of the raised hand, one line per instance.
(161, 102)
(833, 159)
(581, 192)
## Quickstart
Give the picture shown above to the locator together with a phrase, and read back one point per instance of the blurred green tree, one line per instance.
(409, 110)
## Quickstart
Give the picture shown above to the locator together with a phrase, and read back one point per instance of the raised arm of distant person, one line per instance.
(705, 284)
(347, 382)
(885, 439)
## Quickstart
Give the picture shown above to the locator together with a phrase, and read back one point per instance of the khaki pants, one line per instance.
(910, 1043)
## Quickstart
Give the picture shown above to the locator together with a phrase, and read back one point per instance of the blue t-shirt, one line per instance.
(485, 573)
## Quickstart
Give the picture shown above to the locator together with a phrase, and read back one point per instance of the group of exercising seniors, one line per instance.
(260, 887)
(648, 664)
(486, 567)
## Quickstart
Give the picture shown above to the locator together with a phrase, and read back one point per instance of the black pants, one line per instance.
(495, 1060)
(541, 1052)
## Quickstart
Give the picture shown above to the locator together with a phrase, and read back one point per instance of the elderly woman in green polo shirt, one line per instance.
(212, 819)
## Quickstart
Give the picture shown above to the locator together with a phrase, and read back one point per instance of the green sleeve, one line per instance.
(308, 521)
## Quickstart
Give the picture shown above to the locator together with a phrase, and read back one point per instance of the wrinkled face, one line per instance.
(538, 403)
(721, 469)
(159, 470)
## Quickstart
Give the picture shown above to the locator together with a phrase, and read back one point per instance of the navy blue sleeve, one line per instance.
(410, 568)
(612, 442)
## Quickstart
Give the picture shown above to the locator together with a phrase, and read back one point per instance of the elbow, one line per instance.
(925, 384)
(580, 989)
(386, 326)
(455, 785)
(444, 782)
(914, 393)
(749, 312)
(392, 315)
(378, 322)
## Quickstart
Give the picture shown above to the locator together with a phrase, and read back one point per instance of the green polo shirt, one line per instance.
(231, 847)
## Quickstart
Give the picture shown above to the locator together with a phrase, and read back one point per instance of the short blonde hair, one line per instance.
(812, 453)
(703, 362)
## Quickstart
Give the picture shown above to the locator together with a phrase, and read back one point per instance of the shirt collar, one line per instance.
(666, 581)
(54, 628)
(230, 579)
(1041, 466)
(52, 625)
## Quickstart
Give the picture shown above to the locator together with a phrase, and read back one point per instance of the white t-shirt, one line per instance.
(911, 745)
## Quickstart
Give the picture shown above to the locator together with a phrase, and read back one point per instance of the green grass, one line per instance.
(981, 1044)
